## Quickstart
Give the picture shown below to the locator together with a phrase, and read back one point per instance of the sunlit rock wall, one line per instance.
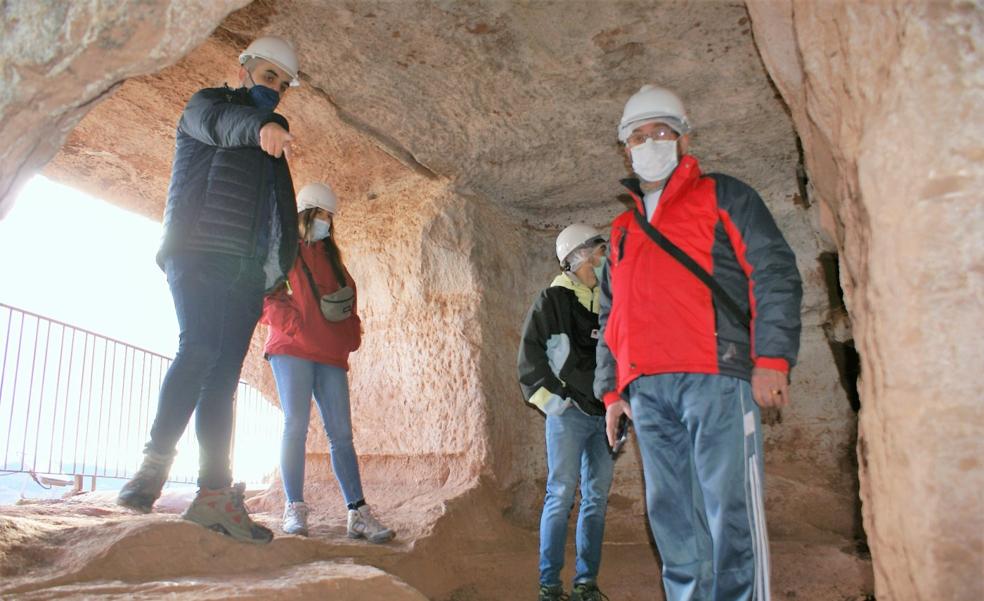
(58, 59)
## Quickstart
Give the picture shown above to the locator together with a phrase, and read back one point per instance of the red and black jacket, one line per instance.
(657, 317)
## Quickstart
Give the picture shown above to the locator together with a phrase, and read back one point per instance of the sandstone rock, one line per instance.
(462, 136)
(57, 60)
(88, 547)
(311, 581)
(886, 98)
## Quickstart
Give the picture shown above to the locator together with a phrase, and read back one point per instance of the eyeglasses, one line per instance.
(595, 244)
(592, 245)
(657, 134)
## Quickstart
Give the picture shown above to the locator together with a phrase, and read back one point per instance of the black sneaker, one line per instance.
(552, 593)
(145, 487)
(587, 591)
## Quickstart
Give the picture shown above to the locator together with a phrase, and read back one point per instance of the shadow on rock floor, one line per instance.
(88, 547)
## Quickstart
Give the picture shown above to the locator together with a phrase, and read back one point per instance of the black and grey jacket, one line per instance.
(222, 181)
(557, 352)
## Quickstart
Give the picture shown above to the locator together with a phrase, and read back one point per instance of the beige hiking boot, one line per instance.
(223, 510)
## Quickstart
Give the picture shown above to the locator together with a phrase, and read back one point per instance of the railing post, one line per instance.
(232, 443)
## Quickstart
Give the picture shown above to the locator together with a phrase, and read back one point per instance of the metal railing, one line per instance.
(78, 403)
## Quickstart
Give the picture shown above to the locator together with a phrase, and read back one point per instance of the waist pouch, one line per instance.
(337, 306)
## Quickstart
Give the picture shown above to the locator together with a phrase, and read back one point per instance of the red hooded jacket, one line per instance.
(657, 317)
(297, 327)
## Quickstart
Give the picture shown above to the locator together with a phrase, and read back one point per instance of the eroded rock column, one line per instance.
(886, 98)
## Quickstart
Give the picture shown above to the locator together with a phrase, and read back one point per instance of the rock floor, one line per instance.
(86, 547)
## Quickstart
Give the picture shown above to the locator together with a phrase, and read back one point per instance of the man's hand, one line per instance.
(615, 411)
(770, 388)
(275, 140)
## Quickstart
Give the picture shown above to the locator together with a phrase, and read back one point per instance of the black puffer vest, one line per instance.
(221, 182)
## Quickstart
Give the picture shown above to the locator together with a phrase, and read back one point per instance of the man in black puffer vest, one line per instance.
(230, 235)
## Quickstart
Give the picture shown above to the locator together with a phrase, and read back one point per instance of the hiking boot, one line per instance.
(587, 591)
(224, 511)
(362, 524)
(144, 488)
(295, 518)
(552, 593)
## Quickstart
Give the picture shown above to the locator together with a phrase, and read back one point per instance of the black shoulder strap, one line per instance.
(335, 267)
(694, 268)
(307, 272)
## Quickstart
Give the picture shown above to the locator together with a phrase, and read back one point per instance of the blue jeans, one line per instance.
(701, 447)
(218, 300)
(576, 445)
(297, 379)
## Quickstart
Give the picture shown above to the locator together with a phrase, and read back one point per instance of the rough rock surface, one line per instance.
(86, 547)
(887, 100)
(422, 229)
(461, 136)
(57, 60)
(311, 581)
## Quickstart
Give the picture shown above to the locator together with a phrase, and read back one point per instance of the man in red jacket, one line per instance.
(700, 322)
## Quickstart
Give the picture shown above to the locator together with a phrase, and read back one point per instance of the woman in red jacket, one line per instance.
(314, 326)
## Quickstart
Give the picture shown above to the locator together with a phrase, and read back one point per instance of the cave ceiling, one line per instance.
(513, 102)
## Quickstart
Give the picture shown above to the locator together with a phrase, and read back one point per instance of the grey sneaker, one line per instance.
(224, 511)
(587, 591)
(145, 487)
(551, 593)
(362, 524)
(295, 518)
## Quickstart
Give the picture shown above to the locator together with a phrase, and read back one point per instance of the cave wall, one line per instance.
(886, 98)
(58, 60)
(415, 385)
(460, 147)
(463, 136)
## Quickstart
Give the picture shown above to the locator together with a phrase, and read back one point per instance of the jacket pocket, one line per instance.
(734, 354)
(355, 333)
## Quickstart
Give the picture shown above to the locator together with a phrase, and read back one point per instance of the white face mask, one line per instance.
(320, 229)
(654, 161)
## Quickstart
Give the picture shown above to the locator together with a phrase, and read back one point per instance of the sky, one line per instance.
(77, 259)
(81, 260)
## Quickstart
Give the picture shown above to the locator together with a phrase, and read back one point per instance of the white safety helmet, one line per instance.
(317, 195)
(276, 50)
(574, 237)
(652, 104)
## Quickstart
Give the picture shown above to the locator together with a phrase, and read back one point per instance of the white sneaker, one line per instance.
(362, 524)
(295, 518)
